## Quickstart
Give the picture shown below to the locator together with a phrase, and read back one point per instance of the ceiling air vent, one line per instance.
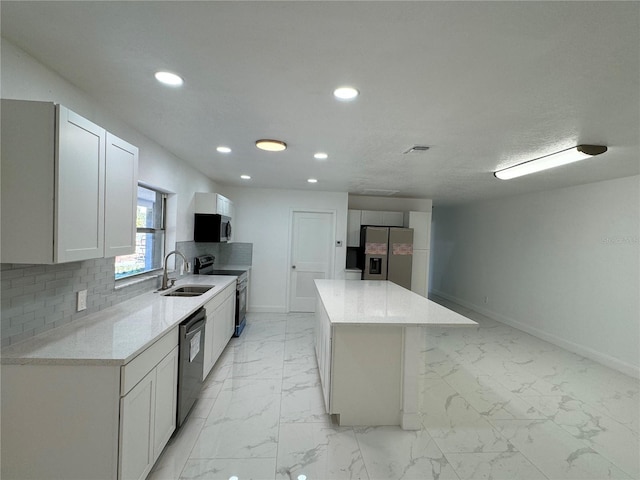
(417, 149)
(378, 193)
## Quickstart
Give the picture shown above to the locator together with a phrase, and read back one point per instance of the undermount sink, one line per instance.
(189, 291)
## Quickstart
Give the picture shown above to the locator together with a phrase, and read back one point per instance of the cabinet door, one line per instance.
(393, 219)
(136, 429)
(421, 224)
(121, 192)
(208, 344)
(206, 202)
(370, 217)
(79, 200)
(166, 401)
(221, 205)
(353, 228)
(220, 330)
(352, 275)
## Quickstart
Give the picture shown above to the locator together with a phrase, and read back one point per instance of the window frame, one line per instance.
(146, 230)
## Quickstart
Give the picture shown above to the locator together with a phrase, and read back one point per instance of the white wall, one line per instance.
(262, 217)
(393, 204)
(23, 77)
(562, 265)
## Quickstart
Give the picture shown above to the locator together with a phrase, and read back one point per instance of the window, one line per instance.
(150, 235)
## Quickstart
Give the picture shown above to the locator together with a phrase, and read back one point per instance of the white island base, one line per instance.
(368, 350)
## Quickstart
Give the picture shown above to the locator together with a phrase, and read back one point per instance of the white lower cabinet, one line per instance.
(221, 311)
(352, 275)
(148, 418)
(166, 401)
(79, 422)
(323, 352)
(136, 429)
(360, 370)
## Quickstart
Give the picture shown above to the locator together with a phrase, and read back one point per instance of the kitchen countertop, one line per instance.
(379, 302)
(116, 335)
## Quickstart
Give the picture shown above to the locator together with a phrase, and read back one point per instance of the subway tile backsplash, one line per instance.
(226, 253)
(37, 298)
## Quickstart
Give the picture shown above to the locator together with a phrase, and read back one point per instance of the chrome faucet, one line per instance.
(165, 274)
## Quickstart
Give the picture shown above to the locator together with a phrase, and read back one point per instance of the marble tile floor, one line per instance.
(496, 403)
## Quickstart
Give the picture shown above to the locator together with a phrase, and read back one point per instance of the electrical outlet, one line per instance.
(486, 299)
(82, 300)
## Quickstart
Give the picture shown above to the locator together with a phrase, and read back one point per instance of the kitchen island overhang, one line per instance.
(367, 343)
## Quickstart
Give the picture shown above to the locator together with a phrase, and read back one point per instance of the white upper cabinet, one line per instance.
(353, 228)
(53, 186)
(121, 189)
(370, 217)
(421, 224)
(393, 219)
(381, 218)
(213, 203)
(79, 188)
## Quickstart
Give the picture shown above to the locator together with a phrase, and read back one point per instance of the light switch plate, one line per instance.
(82, 300)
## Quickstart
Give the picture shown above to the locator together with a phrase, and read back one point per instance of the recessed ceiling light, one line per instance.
(169, 78)
(345, 93)
(223, 149)
(320, 156)
(271, 145)
(312, 180)
(245, 177)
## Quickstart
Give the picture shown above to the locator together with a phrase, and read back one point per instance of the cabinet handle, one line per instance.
(293, 266)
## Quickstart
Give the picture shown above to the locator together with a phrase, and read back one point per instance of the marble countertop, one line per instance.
(116, 335)
(379, 302)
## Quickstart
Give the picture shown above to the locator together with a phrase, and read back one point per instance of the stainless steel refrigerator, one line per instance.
(386, 253)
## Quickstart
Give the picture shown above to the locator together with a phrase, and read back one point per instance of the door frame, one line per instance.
(332, 260)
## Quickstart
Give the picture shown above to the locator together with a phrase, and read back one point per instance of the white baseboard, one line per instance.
(604, 359)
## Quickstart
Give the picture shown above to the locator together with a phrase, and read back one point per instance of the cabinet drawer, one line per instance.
(136, 369)
(219, 299)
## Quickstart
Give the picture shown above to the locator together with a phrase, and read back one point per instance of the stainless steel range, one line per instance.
(203, 265)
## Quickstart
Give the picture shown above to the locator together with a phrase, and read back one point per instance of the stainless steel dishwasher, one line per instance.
(191, 363)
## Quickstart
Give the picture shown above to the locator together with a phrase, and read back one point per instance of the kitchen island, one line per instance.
(367, 342)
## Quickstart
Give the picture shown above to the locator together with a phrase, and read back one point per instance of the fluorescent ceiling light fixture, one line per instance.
(169, 78)
(245, 177)
(320, 156)
(271, 145)
(223, 149)
(563, 157)
(312, 180)
(345, 93)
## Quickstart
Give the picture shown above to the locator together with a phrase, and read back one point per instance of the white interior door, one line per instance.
(311, 256)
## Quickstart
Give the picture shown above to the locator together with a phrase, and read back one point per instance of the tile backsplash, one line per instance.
(37, 298)
(226, 253)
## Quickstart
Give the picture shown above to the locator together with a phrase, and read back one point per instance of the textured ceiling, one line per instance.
(484, 84)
